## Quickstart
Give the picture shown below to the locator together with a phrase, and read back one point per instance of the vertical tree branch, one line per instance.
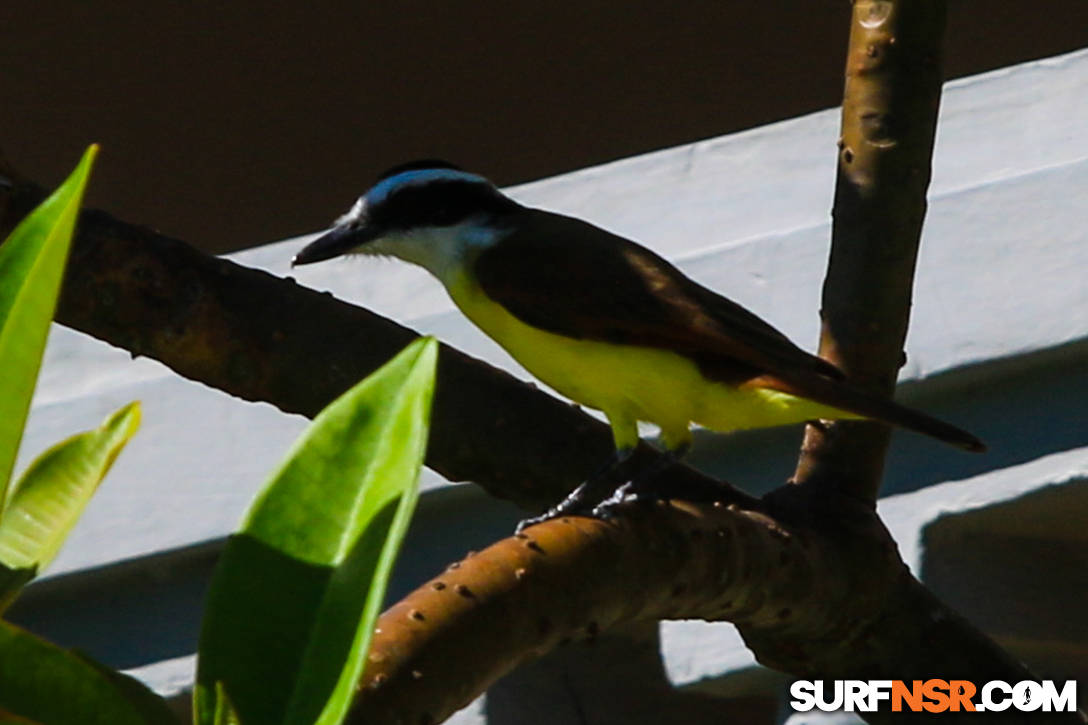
(889, 117)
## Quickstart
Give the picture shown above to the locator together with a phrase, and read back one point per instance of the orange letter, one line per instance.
(913, 696)
(961, 692)
(934, 690)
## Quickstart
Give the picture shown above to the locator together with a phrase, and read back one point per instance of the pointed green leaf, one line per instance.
(295, 595)
(31, 266)
(44, 683)
(52, 493)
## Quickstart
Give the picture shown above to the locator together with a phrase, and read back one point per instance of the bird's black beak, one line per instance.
(337, 241)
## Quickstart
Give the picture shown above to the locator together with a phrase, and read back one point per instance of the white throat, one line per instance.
(445, 252)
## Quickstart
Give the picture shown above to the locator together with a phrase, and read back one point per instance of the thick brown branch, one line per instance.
(823, 597)
(265, 338)
(889, 118)
(571, 579)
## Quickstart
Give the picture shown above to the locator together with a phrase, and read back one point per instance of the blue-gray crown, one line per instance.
(431, 193)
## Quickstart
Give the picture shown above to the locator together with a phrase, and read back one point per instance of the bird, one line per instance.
(603, 320)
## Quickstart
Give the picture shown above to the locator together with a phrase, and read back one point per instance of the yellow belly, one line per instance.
(630, 383)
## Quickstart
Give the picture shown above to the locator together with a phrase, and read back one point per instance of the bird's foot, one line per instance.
(628, 494)
(578, 502)
(641, 488)
(610, 488)
(581, 502)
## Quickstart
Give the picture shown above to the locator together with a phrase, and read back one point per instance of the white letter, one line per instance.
(801, 692)
(1065, 701)
(1027, 695)
(823, 704)
(854, 696)
(988, 698)
(878, 690)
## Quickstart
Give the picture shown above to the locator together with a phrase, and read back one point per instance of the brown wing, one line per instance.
(568, 277)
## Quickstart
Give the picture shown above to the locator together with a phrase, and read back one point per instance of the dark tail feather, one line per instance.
(843, 396)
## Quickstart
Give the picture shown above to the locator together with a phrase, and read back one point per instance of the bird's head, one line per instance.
(425, 212)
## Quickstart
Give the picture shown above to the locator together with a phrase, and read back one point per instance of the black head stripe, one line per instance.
(439, 203)
(416, 166)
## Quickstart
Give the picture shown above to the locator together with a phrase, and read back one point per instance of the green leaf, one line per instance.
(31, 266)
(44, 683)
(295, 595)
(52, 493)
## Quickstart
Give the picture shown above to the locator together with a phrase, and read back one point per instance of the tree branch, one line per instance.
(889, 119)
(814, 582)
(573, 578)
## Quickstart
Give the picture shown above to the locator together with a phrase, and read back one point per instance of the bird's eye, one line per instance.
(445, 214)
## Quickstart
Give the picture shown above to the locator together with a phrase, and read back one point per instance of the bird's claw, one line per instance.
(599, 496)
(627, 494)
(534, 520)
(578, 502)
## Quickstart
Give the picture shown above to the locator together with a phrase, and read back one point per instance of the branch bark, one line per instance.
(889, 119)
(813, 580)
(573, 578)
